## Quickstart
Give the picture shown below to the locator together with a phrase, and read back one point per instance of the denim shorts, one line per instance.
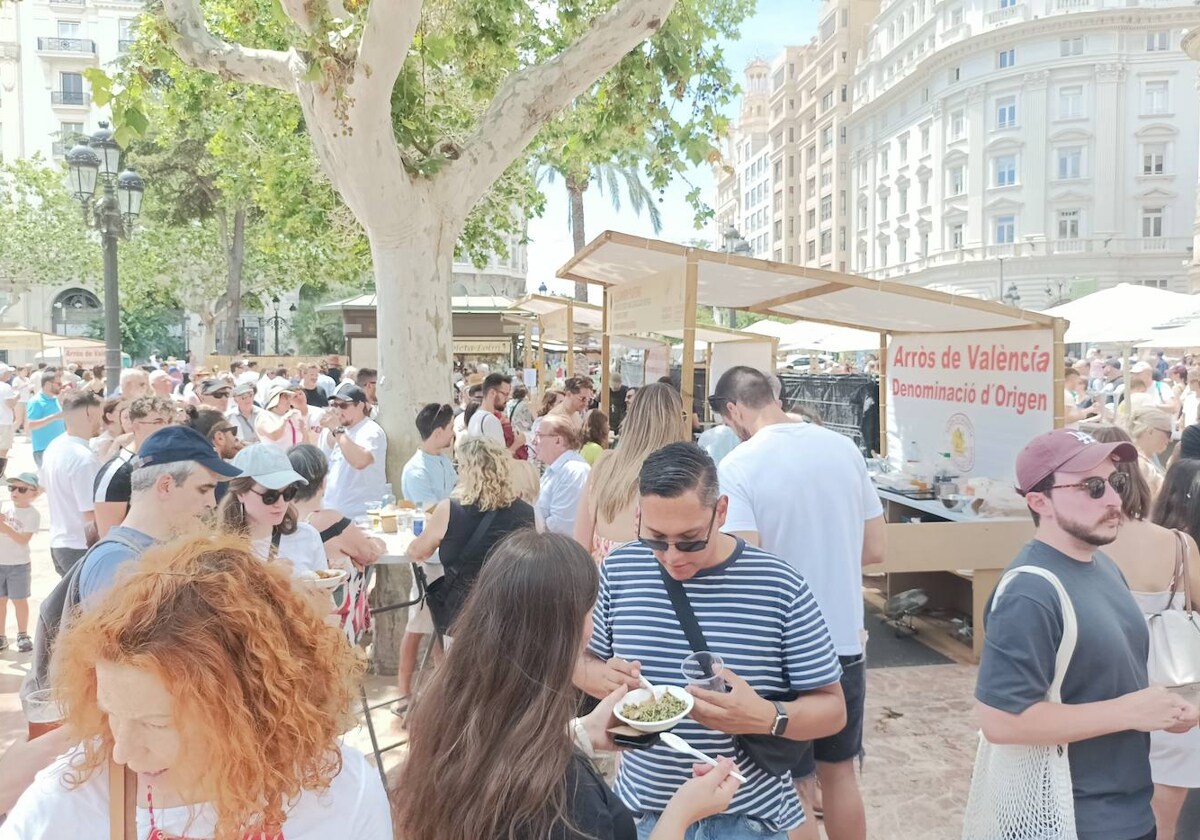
(847, 744)
(720, 827)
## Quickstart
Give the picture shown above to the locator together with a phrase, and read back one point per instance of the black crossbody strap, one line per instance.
(685, 616)
(452, 574)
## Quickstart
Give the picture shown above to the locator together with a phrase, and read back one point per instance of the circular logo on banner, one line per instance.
(961, 436)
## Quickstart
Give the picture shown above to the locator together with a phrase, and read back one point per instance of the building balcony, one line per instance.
(70, 4)
(67, 46)
(1009, 14)
(125, 44)
(70, 99)
(1073, 5)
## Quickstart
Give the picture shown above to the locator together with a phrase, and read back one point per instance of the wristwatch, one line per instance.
(781, 719)
(340, 430)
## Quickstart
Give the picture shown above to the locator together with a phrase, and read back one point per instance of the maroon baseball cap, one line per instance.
(1068, 450)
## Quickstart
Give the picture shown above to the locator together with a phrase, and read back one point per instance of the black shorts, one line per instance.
(847, 744)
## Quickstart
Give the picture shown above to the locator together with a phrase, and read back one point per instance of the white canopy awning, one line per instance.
(804, 335)
(792, 291)
(1123, 314)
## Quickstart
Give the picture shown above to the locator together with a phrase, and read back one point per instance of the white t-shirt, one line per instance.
(805, 490)
(303, 549)
(7, 418)
(355, 805)
(352, 491)
(485, 424)
(69, 470)
(23, 520)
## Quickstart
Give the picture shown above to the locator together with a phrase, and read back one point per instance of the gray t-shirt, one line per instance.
(1111, 774)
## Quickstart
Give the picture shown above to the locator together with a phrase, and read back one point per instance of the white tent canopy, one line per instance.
(804, 335)
(1122, 314)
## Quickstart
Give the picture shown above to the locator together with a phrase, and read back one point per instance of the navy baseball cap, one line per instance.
(173, 444)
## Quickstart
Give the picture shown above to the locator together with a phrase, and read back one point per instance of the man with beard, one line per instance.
(1107, 708)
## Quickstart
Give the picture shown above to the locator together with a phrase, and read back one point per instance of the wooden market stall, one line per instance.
(972, 378)
(551, 321)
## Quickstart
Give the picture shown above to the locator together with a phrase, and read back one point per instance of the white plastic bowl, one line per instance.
(641, 695)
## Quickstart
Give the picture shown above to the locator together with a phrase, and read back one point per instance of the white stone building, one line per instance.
(1036, 148)
(785, 190)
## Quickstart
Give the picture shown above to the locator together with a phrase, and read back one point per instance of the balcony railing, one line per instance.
(75, 3)
(1072, 5)
(1009, 14)
(71, 98)
(67, 45)
(125, 44)
(1101, 246)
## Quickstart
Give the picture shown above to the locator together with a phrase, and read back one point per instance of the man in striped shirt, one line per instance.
(754, 611)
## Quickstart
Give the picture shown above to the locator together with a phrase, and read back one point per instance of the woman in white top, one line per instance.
(280, 424)
(1145, 553)
(170, 681)
(259, 505)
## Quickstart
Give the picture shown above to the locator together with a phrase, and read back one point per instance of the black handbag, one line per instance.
(773, 753)
(446, 595)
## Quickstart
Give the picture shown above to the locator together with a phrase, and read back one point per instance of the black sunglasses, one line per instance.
(1095, 485)
(270, 497)
(718, 403)
(229, 430)
(20, 489)
(686, 546)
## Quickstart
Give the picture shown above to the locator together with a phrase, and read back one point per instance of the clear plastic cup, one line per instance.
(42, 712)
(704, 670)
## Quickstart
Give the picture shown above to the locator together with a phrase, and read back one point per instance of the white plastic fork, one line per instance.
(679, 745)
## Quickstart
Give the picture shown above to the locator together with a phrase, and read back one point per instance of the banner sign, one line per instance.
(981, 397)
(85, 357)
(652, 305)
(482, 347)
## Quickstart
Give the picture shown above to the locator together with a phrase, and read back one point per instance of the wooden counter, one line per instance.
(957, 559)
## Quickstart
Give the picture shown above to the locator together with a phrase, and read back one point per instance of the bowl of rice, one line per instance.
(655, 711)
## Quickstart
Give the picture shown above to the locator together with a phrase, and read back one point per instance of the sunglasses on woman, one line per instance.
(1095, 485)
(270, 497)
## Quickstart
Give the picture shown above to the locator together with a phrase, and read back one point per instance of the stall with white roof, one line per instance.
(965, 384)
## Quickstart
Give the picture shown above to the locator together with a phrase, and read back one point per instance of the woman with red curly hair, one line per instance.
(212, 685)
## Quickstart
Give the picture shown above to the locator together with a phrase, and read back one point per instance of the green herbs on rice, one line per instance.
(653, 711)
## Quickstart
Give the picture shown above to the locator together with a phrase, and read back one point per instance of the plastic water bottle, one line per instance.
(418, 522)
(388, 502)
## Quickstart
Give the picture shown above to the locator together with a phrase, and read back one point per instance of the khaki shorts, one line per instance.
(6, 437)
(421, 620)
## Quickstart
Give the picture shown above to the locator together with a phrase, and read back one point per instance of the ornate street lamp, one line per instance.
(1012, 297)
(113, 214)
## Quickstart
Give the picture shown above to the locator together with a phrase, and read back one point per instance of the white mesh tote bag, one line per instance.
(1024, 792)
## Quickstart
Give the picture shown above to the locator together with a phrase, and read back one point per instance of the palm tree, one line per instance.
(608, 177)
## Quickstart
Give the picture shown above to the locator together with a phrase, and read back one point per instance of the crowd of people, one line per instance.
(570, 554)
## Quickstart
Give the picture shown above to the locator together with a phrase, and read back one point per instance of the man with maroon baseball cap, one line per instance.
(1107, 707)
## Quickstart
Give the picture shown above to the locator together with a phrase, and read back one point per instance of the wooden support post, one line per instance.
(687, 374)
(707, 412)
(605, 356)
(1058, 359)
(528, 360)
(570, 339)
(541, 356)
(883, 429)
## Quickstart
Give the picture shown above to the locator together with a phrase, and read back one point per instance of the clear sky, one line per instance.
(775, 24)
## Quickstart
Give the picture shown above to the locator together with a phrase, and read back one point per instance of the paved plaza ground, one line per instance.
(920, 737)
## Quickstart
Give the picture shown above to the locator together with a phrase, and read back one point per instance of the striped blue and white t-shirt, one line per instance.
(758, 614)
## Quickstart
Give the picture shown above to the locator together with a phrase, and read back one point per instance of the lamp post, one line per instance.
(113, 214)
(542, 290)
(1012, 297)
(734, 244)
(1001, 261)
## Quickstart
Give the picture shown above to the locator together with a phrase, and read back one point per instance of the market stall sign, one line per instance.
(482, 347)
(652, 305)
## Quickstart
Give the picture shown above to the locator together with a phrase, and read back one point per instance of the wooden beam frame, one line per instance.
(687, 373)
(605, 357)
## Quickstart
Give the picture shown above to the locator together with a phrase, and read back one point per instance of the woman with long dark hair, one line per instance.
(493, 750)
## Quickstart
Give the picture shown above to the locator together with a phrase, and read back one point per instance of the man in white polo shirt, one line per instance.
(801, 492)
(357, 450)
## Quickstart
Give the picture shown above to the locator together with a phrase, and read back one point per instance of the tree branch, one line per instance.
(386, 39)
(297, 11)
(532, 97)
(197, 46)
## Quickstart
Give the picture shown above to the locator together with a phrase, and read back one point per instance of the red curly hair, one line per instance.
(262, 686)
